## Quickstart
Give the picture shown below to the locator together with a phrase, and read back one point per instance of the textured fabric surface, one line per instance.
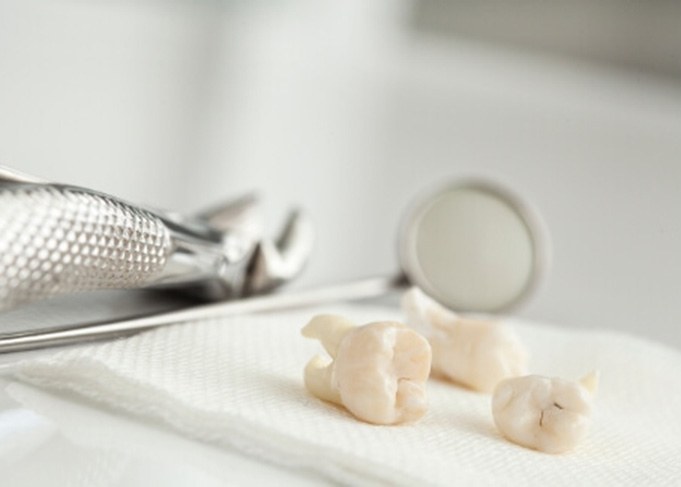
(238, 381)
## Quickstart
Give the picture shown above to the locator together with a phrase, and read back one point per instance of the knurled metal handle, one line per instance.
(60, 239)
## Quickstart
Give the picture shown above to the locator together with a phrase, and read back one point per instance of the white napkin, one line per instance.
(238, 381)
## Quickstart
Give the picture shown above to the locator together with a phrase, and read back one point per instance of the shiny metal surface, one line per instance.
(198, 250)
(59, 239)
(36, 339)
(487, 272)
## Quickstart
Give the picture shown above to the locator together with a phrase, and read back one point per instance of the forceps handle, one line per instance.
(57, 239)
(361, 289)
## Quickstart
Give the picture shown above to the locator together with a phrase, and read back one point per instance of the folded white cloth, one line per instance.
(238, 381)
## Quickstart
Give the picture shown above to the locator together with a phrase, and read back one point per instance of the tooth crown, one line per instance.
(378, 371)
(475, 353)
(547, 414)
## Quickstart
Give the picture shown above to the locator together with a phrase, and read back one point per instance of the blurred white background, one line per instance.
(350, 108)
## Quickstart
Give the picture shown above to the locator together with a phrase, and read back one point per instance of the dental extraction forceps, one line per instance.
(57, 239)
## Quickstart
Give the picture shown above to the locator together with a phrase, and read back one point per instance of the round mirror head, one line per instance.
(473, 246)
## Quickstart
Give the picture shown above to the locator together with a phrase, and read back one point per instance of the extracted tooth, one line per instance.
(377, 371)
(546, 414)
(475, 353)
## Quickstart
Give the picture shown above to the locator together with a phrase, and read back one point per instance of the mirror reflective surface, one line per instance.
(473, 246)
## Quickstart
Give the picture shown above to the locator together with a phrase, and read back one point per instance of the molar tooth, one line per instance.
(378, 371)
(472, 352)
(546, 414)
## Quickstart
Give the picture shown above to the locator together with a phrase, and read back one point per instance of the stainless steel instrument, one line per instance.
(57, 239)
(472, 245)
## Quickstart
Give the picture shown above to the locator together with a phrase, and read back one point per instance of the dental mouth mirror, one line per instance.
(471, 245)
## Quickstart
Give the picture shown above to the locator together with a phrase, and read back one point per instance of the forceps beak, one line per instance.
(274, 261)
(221, 252)
(278, 261)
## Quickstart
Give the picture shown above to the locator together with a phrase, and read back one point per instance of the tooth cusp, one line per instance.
(547, 414)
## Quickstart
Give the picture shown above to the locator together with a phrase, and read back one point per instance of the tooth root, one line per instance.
(590, 381)
(414, 306)
(425, 314)
(476, 353)
(329, 330)
(318, 380)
